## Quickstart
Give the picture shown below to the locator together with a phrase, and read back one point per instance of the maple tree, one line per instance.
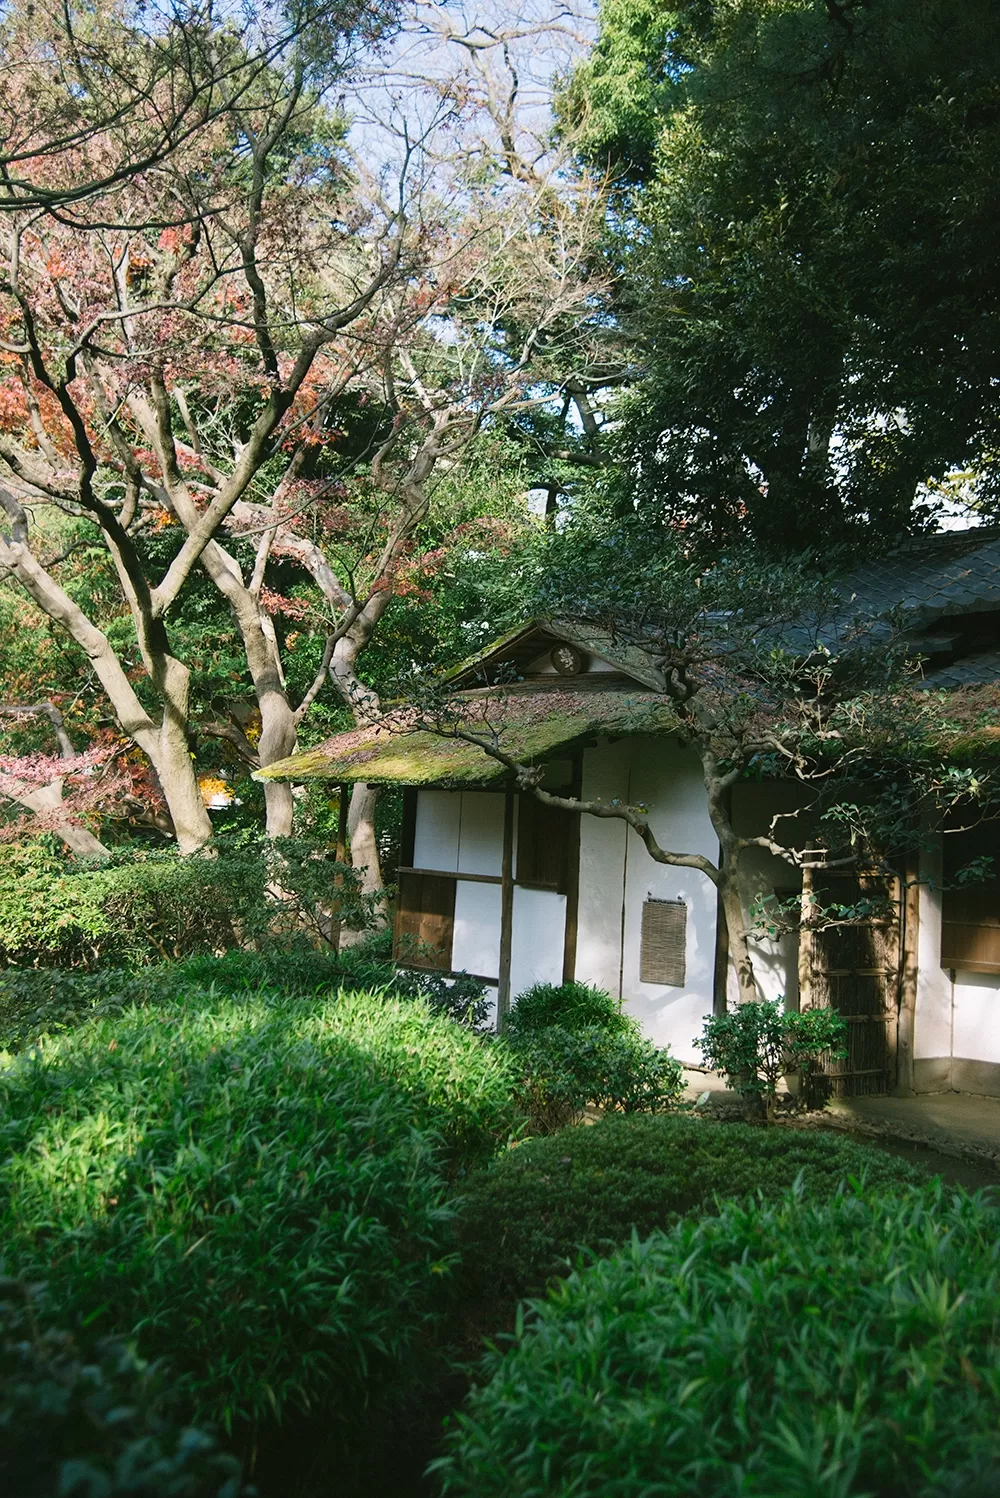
(105, 331)
(264, 369)
(95, 95)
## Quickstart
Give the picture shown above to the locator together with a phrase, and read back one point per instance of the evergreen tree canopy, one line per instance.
(803, 234)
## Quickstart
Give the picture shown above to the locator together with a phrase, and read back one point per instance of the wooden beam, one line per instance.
(506, 907)
(408, 838)
(572, 876)
(720, 975)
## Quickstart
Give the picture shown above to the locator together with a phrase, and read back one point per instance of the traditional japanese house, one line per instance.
(494, 883)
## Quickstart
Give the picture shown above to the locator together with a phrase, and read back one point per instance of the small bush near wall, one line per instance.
(570, 1006)
(93, 1423)
(562, 1072)
(591, 1187)
(798, 1350)
(755, 1044)
(253, 1188)
(574, 1048)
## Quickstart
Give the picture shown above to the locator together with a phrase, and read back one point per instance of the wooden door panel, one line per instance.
(425, 921)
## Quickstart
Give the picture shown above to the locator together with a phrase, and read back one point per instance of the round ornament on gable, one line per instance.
(567, 660)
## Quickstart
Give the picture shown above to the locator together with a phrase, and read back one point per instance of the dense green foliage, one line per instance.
(754, 1045)
(43, 1001)
(572, 1047)
(804, 1349)
(92, 1423)
(147, 906)
(562, 1072)
(251, 1187)
(803, 254)
(589, 1188)
(572, 1006)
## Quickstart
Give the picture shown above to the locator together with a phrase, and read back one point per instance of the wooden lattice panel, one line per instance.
(663, 943)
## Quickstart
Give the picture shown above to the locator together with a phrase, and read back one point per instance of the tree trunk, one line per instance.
(278, 735)
(366, 707)
(364, 844)
(739, 945)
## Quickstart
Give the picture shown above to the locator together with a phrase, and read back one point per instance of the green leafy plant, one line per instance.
(801, 1349)
(571, 1006)
(38, 1001)
(145, 906)
(81, 1421)
(589, 1188)
(755, 1044)
(561, 1072)
(254, 1187)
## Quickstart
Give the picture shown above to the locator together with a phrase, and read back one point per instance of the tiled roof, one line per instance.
(971, 670)
(953, 573)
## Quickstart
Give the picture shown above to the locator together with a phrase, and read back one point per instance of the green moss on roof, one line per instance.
(530, 726)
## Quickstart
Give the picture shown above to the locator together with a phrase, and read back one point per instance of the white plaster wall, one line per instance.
(476, 944)
(668, 780)
(932, 1013)
(480, 833)
(976, 1027)
(435, 841)
(602, 872)
(538, 930)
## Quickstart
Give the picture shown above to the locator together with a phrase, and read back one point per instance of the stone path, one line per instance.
(956, 1125)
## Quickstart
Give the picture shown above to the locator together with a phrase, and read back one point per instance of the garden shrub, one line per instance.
(526, 1216)
(801, 1349)
(755, 1044)
(148, 906)
(94, 1422)
(252, 1187)
(570, 1006)
(562, 1072)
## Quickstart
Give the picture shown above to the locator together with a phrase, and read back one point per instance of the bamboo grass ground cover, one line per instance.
(806, 1348)
(256, 1188)
(529, 1214)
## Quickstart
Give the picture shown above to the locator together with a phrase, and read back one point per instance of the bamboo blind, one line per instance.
(662, 947)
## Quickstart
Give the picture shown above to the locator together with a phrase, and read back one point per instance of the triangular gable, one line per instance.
(514, 652)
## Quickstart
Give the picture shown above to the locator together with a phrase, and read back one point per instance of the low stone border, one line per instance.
(942, 1144)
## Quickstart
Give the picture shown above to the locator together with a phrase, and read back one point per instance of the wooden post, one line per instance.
(506, 907)
(572, 874)
(905, 1033)
(720, 977)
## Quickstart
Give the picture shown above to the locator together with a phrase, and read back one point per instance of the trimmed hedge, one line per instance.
(149, 905)
(525, 1218)
(797, 1350)
(93, 1423)
(253, 1188)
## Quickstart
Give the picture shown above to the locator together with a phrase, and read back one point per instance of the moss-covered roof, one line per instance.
(530, 725)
